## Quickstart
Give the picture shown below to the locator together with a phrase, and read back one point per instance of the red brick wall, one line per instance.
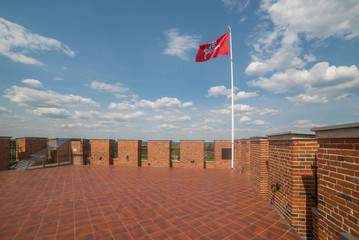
(209, 164)
(338, 174)
(102, 151)
(129, 152)
(159, 153)
(29, 145)
(258, 163)
(4, 152)
(60, 153)
(245, 157)
(191, 149)
(218, 146)
(80, 151)
(290, 158)
(237, 155)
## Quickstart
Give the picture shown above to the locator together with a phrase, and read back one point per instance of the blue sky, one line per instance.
(127, 70)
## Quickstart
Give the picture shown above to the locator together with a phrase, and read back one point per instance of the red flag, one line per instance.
(214, 49)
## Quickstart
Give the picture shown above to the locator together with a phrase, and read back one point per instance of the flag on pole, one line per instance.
(214, 49)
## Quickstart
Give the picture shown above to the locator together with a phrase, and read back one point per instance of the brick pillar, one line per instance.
(129, 152)
(222, 146)
(291, 184)
(80, 151)
(159, 153)
(4, 152)
(259, 164)
(191, 154)
(244, 166)
(338, 176)
(29, 145)
(102, 151)
(237, 155)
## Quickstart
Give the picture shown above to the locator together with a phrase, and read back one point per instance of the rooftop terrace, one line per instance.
(117, 202)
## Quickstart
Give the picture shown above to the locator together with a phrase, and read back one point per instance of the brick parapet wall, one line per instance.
(191, 154)
(59, 151)
(237, 155)
(291, 185)
(258, 163)
(159, 153)
(129, 152)
(218, 146)
(102, 151)
(27, 146)
(4, 152)
(245, 157)
(338, 176)
(80, 151)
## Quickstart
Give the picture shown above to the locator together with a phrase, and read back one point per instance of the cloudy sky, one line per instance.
(127, 70)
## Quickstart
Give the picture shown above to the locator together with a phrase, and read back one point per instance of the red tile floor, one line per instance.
(114, 202)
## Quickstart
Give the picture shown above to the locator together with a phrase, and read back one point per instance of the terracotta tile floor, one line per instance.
(113, 202)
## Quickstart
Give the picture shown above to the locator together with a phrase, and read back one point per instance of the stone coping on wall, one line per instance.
(128, 140)
(244, 139)
(349, 130)
(258, 138)
(159, 141)
(192, 141)
(32, 138)
(290, 135)
(5, 137)
(102, 139)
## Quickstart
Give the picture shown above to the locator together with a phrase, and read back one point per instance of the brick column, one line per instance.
(222, 146)
(129, 152)
(159, 153)
(27, 146)
(191, 154)
(4, 152)
(338, 175)
(244, 166)
(259, 164)
(102, 151)
(237, 155)
(291, 184)
(80, 151)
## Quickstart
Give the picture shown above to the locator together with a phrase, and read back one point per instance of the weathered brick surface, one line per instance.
(237, 155)
(27, 146)
(80, 151)
(209, 164)
(338, 174)
(244, 163)
(159, 153)
(259, 164)
(290, 158)
(4, 152)
(218, 146)
(191, 150)
(129, 152)
(102, 151)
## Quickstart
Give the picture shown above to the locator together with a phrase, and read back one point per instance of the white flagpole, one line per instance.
(230, 44)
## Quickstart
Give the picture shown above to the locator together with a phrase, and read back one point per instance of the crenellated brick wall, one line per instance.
(102, 151)
(4, 152)
(159, 153)
(80, 151)
(27, 146)
(59, 150)
(192, 154)
(244, 163)
(291, 185)
(259, 164)
(129, 152)
(338, 176)
(218, 146)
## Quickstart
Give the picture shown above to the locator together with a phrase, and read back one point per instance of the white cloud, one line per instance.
(122, 106)
(58, 79)
(245, 119)
(222, 90)
(180, 45)
(163, 102)
(36, 98)
(246, 109)
(279, 48)
(304, 124)
(167, 126)
(33, 83)
(4, 110)
(109, 116)
(249, 121)
(319, 84)
(50, 112)
(239, 5)
(101, 86)
(16, 41)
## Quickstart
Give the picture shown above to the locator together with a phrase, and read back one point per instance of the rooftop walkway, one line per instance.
(113, 202)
